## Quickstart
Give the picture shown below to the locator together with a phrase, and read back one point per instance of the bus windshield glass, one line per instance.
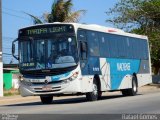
(50, 53)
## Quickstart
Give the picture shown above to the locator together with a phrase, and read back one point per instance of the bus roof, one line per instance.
(98, 28)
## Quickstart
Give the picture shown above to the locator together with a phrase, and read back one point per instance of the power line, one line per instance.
(5, 47)
(7, 57)
(10, 14)
(5, 37)
(13, 10)
(6, 54)
(7, 40)
(8, 48)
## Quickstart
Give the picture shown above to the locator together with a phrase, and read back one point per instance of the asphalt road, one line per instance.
(144, 102)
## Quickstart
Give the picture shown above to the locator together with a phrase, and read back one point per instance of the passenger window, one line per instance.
(93, 42)
(104, 45)
(113, 46)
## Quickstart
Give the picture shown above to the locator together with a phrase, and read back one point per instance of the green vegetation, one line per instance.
(141, 17)
(61, 11)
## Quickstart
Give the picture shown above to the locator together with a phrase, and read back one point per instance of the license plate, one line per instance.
(47, 87)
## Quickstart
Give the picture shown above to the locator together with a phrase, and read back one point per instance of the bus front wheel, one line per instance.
(131, 91)
(46, 99)
(94, 95)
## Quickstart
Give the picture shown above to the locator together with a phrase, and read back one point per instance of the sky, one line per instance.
(14, 17)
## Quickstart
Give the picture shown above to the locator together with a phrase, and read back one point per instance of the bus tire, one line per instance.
(132, 91)
(93, 96)
(46, 99)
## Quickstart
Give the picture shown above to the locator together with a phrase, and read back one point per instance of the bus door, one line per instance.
(83, 50)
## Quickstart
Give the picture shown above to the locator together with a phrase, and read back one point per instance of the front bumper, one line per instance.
(71, 87)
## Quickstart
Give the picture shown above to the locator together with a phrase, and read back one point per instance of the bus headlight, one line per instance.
(24, 81)
(74, 76)
(21, 78)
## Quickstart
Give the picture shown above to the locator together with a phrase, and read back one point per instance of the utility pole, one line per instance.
(1, 62)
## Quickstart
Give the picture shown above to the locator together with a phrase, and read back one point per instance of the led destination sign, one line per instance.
(46, 29)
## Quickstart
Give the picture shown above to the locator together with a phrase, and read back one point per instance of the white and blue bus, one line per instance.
(76, 59)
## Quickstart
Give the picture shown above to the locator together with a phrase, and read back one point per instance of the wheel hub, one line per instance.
(134, 87)
(95, 89)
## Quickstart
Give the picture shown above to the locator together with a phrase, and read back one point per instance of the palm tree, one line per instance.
(61, 11)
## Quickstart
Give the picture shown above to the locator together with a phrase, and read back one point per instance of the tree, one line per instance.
(135, 14)
(141, 17)
(61, 11)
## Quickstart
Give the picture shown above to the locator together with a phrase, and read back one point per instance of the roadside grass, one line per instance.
(11, 92)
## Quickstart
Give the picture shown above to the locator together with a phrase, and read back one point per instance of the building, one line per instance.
(10, 76)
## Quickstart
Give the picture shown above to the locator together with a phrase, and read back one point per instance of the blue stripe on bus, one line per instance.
(58, 77)
(119, 68)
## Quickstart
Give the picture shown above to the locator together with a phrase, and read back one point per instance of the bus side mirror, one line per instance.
(13, 49)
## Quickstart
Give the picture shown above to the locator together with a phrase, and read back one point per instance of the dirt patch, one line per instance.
(11, 92)
(149, 88)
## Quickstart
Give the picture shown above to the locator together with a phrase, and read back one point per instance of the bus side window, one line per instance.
(93, 43)
(145, 45)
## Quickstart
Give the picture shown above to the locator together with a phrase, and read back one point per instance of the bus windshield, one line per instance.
(50, 53)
